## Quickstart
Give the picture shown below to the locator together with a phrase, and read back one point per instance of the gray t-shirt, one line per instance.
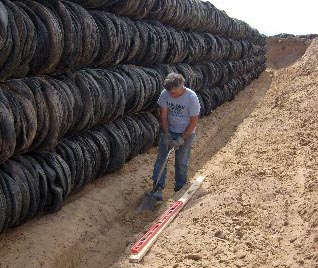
(180, 109)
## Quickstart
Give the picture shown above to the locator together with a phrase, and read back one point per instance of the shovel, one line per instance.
(149, 201)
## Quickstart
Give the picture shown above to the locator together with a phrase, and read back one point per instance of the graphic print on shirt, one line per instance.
(175, 109)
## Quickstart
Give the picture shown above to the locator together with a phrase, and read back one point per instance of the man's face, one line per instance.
(176, 92)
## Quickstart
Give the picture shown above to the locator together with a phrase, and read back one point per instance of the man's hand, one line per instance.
(193, 123)
(167, 139)
(176, 144)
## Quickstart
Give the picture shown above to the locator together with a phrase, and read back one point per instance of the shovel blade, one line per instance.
(148, 203)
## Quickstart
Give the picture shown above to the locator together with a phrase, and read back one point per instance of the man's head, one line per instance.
(174, 84)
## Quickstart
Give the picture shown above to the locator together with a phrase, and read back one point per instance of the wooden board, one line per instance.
(141, 247)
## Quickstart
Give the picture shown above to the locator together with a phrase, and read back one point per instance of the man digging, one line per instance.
(179, 115)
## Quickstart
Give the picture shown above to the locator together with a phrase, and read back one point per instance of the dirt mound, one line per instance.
(258, 206)
(306, 36)
(283, 52)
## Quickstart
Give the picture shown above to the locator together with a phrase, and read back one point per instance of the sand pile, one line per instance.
(283, 52)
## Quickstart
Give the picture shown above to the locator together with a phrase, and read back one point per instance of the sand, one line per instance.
(285, 52)
(257, 207)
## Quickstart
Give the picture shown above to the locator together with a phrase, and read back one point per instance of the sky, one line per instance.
(274, 16)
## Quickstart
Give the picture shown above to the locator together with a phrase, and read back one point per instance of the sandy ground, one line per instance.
(257, 207)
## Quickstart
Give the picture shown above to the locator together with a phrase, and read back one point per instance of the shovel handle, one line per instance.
(164, 164)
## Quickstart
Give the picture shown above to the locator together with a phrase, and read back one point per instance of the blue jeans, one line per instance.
(182, 157)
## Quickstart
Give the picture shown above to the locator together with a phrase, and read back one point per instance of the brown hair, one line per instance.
(174, 80)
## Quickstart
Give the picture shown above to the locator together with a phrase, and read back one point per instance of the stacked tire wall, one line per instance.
(80, 81)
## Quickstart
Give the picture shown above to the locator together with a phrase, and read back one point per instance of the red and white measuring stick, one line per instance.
(140, 248)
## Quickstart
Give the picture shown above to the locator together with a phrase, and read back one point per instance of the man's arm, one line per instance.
(192, 125)
(164, 119)
(194, 116)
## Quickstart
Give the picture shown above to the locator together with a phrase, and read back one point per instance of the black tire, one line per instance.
(118, 148)
(7, 129)
(13, 60)
(14, 199)
(78, 79)
(27, 113)
(109, 44)
(55, 192)
(35, 182)
(6, 204)
(79, 172)
(49, 35)
(90, 42)
(14, 171)
(4, 25)
(42, 112)
(103, 144)
(3, 208)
